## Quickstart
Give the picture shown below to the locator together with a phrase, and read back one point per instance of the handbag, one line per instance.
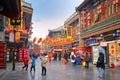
(84, 64)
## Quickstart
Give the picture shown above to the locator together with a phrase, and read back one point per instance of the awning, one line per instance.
(10, 8)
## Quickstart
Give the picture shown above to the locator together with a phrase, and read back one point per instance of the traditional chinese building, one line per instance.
(56, 34)
(21, 28)
(100, 25)
(73, 30)
(8, 9)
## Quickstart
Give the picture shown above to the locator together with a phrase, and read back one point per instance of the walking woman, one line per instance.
(100, 65)
(43, 64)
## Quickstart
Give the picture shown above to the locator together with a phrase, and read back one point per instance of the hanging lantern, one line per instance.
(34, 40)
(39, 40)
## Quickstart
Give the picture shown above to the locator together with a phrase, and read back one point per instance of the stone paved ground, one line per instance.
(58, 71)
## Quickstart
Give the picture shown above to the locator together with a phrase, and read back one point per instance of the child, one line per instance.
(26, 60)
(33, 64)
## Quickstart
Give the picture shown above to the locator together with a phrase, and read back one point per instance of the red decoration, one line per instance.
(34, 40)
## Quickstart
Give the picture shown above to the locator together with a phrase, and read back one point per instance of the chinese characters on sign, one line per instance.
(112, 53)
(15, 21)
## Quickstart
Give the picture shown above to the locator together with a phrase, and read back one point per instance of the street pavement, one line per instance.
(56, 70)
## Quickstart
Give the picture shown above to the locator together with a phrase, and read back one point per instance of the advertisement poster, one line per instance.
(95, 51)
(95, 54)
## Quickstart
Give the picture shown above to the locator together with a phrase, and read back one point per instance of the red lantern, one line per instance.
(34, 40)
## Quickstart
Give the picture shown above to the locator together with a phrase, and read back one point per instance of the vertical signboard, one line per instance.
(20, 58)
(17, 36)
(112, 53)
(25, 52)
(118, 52)
(11, 36)
(2, 62)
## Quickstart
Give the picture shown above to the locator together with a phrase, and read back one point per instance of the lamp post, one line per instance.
(14, 50)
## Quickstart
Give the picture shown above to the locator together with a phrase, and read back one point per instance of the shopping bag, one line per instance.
(84, 64)
(64, 60)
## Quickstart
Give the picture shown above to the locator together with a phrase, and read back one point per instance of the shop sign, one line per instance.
(68, 45)
(58, 48)
(112, 53)
(118, 51)
(11, 36)
(17, 37)
(20, 56)
(2, 55)
(15, 21)
(91, 41)
(96, 3)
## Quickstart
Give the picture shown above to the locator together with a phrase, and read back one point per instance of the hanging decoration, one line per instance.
(34, 39)
(39, 40)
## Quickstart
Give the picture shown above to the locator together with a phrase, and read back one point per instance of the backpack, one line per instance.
(72, 57)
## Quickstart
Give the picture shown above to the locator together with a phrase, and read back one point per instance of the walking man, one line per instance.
(100, 65)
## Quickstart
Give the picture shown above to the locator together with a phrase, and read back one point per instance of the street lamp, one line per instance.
(14, 50)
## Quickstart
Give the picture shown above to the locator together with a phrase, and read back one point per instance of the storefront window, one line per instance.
(109, 10)
(113, 9)
(116, 7)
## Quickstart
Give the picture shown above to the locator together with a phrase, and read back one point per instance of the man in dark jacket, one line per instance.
(100, 65)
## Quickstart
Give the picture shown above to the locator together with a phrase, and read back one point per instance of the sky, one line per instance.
(50, 14)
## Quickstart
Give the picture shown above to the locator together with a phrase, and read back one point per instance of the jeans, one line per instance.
(101, 72)
(32, 67)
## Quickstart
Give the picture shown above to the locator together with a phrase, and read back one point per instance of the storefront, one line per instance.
(112, 50)
(114, 54)
(96, 49)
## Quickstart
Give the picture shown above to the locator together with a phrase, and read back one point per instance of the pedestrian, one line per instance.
(44, 60)
(33, 63)
(50, 57)
(26, 61)
(59, 56)
(73, 58)
(100, 65)
(86, 58)
(66, 56)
